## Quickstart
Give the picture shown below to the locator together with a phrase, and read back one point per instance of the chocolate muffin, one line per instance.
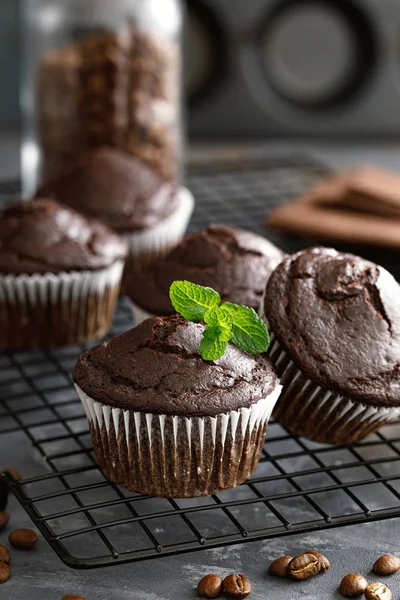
(164, 421)
(128, 196)
(60, 275)
(235, 262)
(335, 341)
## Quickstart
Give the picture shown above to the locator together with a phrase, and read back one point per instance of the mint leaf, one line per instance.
(214, 342)
(249, 332)
(218, 316)
(192, 301)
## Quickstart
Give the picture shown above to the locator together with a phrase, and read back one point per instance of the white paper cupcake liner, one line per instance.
(159, 239)
(54, 309)
(305, 408)
(174, 456)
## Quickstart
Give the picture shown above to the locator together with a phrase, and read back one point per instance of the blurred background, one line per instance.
(256, 68)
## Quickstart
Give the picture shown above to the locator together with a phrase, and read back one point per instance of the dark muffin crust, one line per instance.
(46, 237)
(338, 317)
(157, 368)
(115, 188)
(235, 262)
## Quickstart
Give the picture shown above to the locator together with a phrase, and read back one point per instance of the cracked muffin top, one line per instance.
(157, 368)
(45, 237)
(119, 190)
(235, 262)
(338, 317)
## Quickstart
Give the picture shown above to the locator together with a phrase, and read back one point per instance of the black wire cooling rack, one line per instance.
(298, 487)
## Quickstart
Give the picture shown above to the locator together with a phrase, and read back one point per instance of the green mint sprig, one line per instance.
(193, 301)
(214, 342)
(230, 322)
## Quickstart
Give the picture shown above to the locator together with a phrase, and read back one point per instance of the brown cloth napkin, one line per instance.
(360, 206)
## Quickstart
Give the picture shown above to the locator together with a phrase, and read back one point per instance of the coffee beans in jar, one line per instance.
(353, 585)
(107, 74)
(111, 90)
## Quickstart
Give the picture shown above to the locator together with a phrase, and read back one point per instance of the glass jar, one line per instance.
(100, 73)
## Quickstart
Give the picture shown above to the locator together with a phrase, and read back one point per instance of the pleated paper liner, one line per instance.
(306, 409)
(174, 456)
(41, 311)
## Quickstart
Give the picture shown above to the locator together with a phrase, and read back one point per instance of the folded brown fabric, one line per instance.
(361, 206)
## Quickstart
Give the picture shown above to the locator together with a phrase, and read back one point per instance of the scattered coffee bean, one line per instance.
(4, 518)
(4, 572)
(279, 568)
(5, 555)
(387, 565)
(237, 586)
(73, 598)
(378, 591)
(323, 561)
(13, 473)
(304, 566)
(22, 539)
(209, 587)
(353, 585)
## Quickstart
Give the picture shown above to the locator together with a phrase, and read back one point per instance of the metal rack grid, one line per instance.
(298, 487)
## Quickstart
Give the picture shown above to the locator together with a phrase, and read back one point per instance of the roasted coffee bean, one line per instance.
(22, 539)
(237, 586)
(387, 565)
(378, 591)
(353, 585)
(323, 561)
(5, 555)
(73, 598)
(304, 566)
(210, 586)
(4, 518)
(279, 567)
(4, 572)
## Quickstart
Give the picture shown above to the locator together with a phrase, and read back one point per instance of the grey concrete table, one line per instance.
(39, 575)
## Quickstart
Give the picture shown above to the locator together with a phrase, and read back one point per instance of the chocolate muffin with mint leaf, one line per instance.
(334, 320)
(235, 262)
(176, 407)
